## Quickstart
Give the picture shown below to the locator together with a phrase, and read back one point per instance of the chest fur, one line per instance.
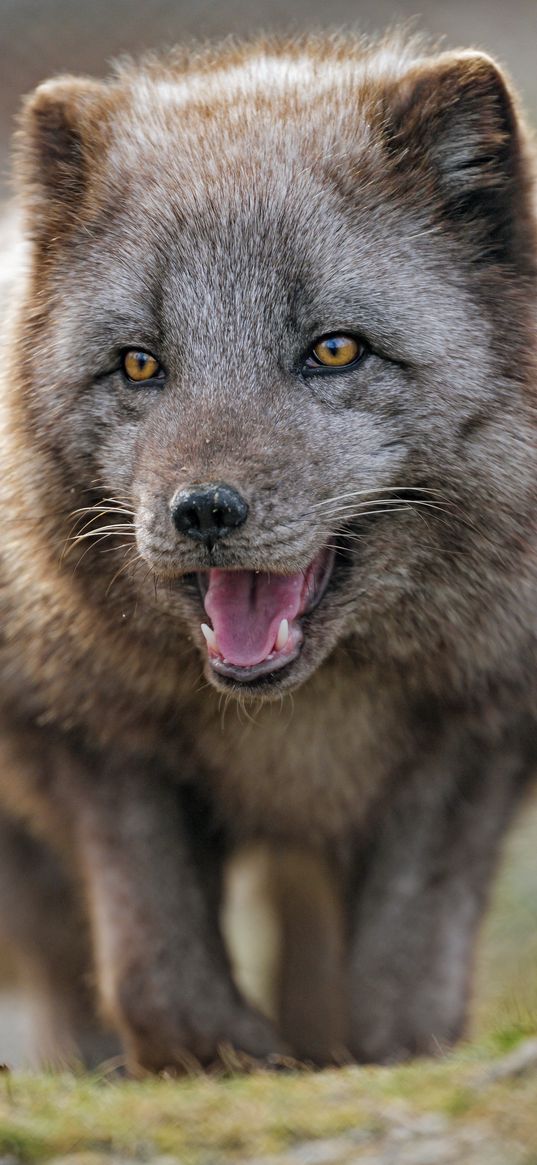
(307, 769)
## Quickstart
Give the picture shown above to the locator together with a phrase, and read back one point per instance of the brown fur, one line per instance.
(225, 207)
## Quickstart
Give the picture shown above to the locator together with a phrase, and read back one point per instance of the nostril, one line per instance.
(220, 517)
(187, 518)
(208, 512)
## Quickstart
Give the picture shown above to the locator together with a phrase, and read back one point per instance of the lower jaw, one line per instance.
(267, 687)
(259, 671)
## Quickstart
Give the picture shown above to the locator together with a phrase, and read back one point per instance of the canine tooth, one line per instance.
(283, 635)
(209, 635)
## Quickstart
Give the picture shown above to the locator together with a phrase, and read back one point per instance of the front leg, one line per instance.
(420, 897)
(162, 972)
(43, 925)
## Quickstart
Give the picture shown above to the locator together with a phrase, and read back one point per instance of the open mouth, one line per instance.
(255, 616)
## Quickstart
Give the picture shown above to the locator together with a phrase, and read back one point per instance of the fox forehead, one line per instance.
(328, 85)
(269, 75)
(267, 109)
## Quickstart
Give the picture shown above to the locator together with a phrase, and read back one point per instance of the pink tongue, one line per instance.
(246, 610)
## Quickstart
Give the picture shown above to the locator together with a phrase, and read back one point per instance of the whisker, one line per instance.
(82, 556)
(384, 510)
(120, 501)
(346, 513)
(130, 561)
(383, 502)
(375, 489)
(393, 501)
(242, 710)
(91, 521)
(122, 545)
(93, 513)
(117, 528)
(100, 507)
(99, 535)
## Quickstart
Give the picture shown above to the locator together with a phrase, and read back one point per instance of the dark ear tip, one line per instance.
(454, 75)
(471, 61)
(478, 72)
(61, 99)
(462, 93)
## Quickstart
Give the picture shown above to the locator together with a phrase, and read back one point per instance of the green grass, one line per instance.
(203, 1121)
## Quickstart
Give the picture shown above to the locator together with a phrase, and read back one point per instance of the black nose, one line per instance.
(208, 512)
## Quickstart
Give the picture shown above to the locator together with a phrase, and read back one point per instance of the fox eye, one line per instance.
(335, 351)
(140, 366)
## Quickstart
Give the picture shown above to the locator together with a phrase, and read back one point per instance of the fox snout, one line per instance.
(208, 512)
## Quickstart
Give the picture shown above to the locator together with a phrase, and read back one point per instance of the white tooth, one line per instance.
(283, 635)
(209, 635)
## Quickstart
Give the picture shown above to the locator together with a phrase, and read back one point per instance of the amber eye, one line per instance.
(140, 366)
(337, 351)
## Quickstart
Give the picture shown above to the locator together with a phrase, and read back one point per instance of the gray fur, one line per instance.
(224, 227)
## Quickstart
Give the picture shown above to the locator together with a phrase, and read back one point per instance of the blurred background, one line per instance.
(42, 37)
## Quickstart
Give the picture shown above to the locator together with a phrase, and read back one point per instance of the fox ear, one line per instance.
(61, 132)
(453, 125)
